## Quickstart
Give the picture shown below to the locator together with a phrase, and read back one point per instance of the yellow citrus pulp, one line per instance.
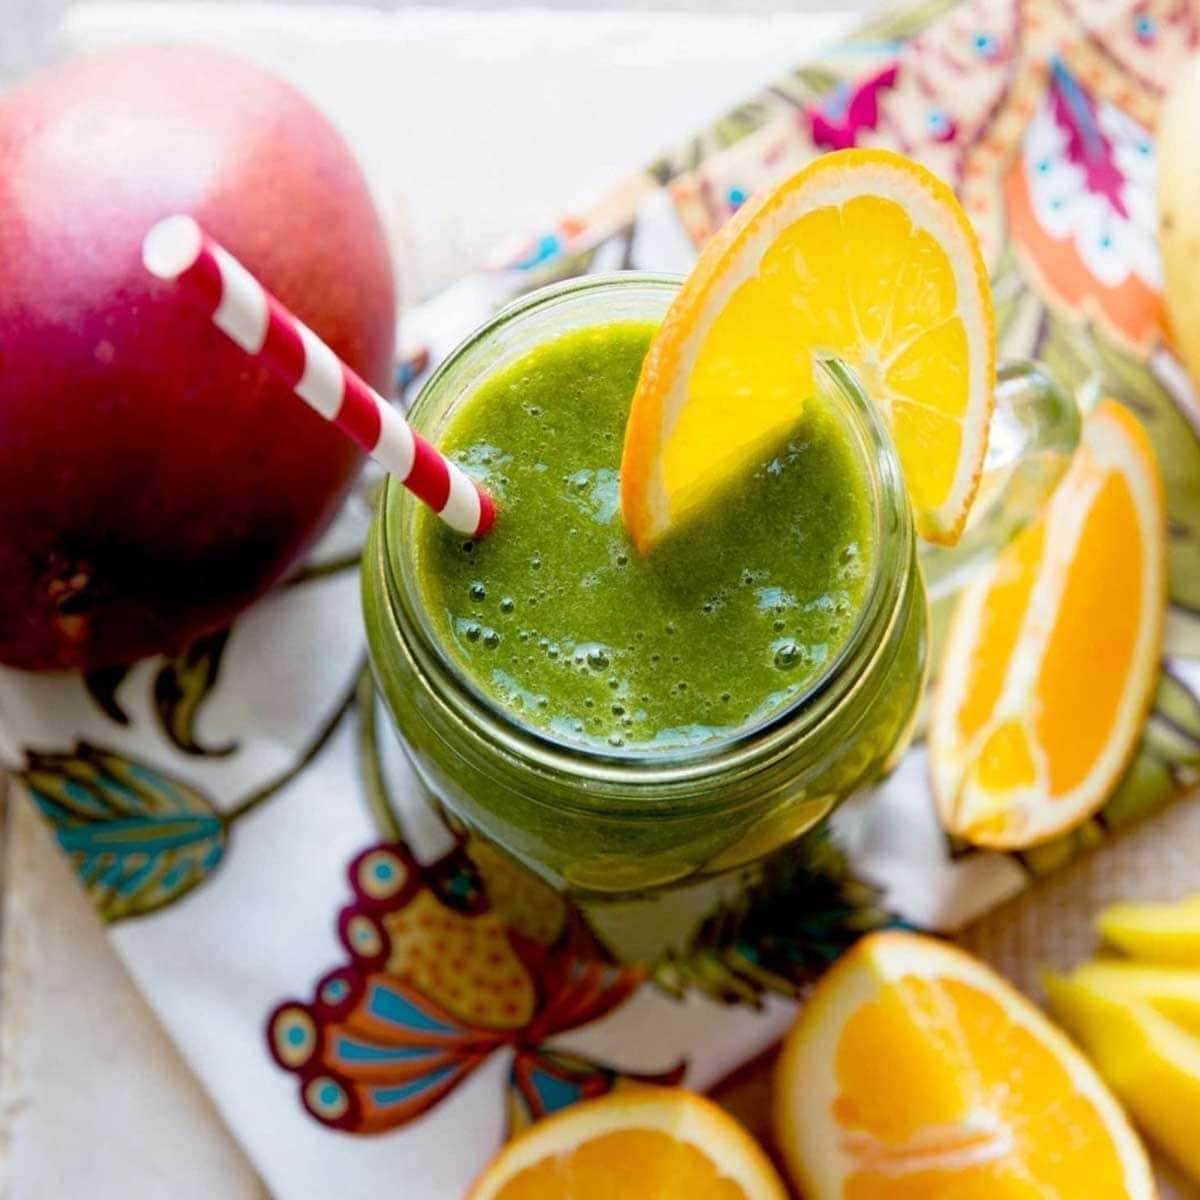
(1166, 933)
(638, 1143)
(863, 255)
(916, 1073)
(1052, 655)
(1139, 1020)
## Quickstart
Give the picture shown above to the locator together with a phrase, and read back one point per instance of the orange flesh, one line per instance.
(826, 286)
(1048, 657)
(1004, 612)
(1006, 759)
(622, 1165)
(943, 1096)
(1088, 659)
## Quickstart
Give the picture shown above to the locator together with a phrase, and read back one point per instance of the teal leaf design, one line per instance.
(181, 687)
(102, 685)
(137, 838)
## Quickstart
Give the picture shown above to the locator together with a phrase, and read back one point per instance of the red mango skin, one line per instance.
(153, 480)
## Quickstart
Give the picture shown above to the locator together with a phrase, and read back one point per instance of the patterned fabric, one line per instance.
(219, 797)
(438, 979)
(1041, 114)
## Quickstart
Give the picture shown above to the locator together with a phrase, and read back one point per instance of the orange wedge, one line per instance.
(637, 1143)
(916, 1073)
(1053, 652)
(863, 255)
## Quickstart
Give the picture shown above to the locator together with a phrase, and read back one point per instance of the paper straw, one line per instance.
(178, 250)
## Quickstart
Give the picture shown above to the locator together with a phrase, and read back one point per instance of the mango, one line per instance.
(1160, 933)
(1149, 1061)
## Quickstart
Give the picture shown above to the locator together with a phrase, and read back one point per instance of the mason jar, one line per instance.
(605, 823)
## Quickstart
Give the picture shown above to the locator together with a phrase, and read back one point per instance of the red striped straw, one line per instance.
(178, 250)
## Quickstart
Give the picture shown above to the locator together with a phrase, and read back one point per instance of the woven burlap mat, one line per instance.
(1050, 926)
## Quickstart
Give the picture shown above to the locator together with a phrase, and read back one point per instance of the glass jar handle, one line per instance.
(1035, 429)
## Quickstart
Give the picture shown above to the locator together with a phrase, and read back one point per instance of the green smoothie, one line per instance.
(556, 617)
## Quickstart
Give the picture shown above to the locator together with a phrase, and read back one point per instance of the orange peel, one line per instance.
(863, 255)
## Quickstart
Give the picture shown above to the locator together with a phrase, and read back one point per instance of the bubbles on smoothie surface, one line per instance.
(774, 600)
(596, 492)
(562, 622)
(787, 654)
(594, 654)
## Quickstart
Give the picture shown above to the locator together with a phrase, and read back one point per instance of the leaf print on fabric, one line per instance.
(542, 1081)
(1148, 785)
(323, 569)
(966, 87)
(137, 838)
(1173, 730)
(102, 685)
(182, 685)
(800, 912)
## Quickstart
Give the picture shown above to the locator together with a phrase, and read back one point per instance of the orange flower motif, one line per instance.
(1080, 196)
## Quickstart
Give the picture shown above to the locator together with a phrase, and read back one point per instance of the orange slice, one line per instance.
(1053, 652)
(863, 255)
(916, 1073)
(637, 1143)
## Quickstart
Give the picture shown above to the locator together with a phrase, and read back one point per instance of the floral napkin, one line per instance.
(242, 815)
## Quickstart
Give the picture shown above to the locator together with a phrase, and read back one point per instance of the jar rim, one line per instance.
(748, 745)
